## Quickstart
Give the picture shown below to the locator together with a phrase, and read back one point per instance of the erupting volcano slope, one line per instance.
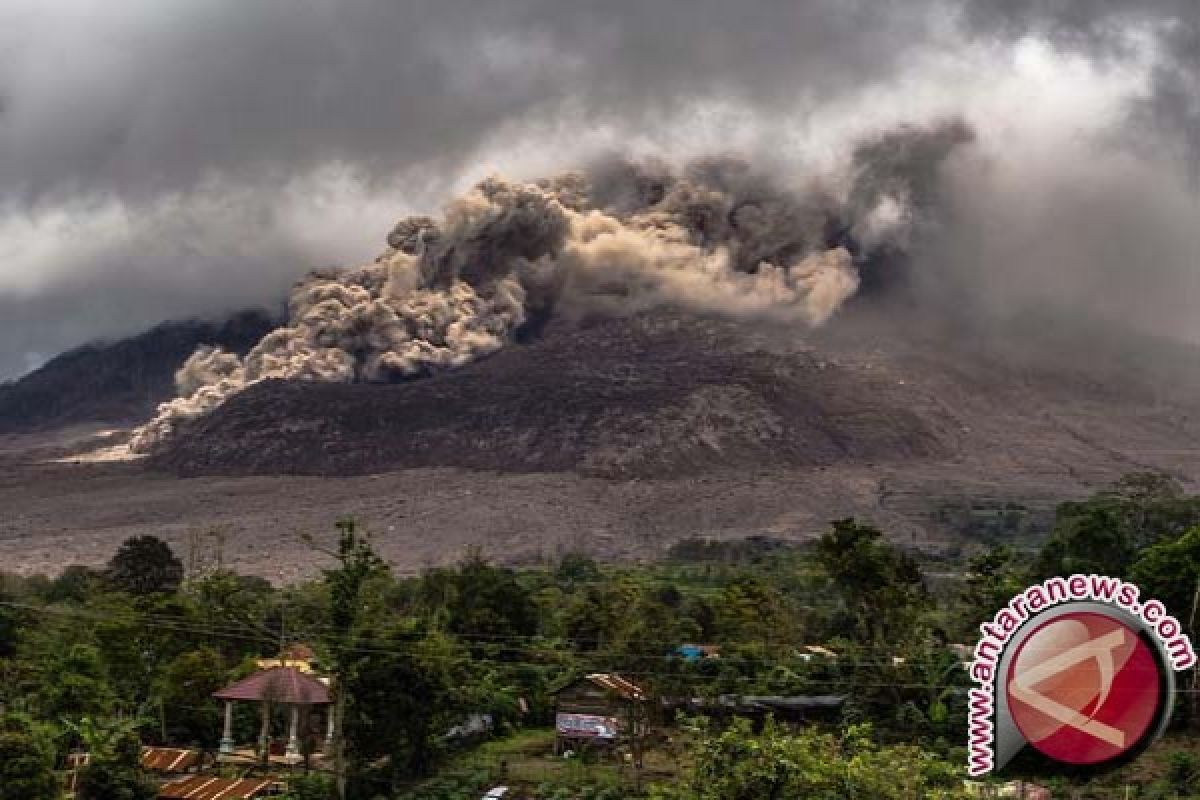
(665, 396)
(650, 396)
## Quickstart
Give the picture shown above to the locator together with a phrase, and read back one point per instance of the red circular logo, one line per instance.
(1083, 688)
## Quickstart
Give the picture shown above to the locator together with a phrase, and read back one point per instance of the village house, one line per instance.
(601, 709)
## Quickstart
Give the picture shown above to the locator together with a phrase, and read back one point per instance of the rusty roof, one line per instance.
(158, 759)
(279, 685)
(612, 682)
(205, 787)
(169, 759)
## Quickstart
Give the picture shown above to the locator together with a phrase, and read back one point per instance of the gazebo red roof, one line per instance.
(279, 685)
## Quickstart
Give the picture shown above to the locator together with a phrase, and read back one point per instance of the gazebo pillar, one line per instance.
(264, 733)
(292, 753)
(329, 709)
(226, 747)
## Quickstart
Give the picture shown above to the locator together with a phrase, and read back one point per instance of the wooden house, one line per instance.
(601, 709)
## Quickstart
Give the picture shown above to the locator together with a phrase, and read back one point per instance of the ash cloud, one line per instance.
(1168, 111)
(717, 237)
(164, 159)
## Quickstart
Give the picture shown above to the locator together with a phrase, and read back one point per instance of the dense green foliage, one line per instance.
(104, 659)
(145, 565)
(737, 764)
(26, 760)
(113, 773)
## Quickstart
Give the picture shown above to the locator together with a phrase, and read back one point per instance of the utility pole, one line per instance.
(282, 635)
(635, 741)
(193, 559)
(219, 533)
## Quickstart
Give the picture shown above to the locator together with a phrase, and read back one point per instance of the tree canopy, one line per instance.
(145, 565)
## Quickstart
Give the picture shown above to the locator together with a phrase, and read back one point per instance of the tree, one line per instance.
(752, 610)
(651, 627)
(75, 584)
(113, 771)
(10, 626)
(590, 619)
(1183, 772)
(1104, 533)
(1152, 507)
(26, 761)
(881, 585)
(577, 568)
(145, 565)
(737, 764)
(400, 699)
(185, 691)
(357, 564)
(238, 601)
(133, 651)
(993, 578)
(75, 685)
(489, 601)
(1170, 572)
(1088, 538)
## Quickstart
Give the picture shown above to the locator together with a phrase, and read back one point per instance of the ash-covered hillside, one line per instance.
(667, 395)
(123, 381)
(654, 395)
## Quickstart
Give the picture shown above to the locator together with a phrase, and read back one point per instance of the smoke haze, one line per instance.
(164, 159)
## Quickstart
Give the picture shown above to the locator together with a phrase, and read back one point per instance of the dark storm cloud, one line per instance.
(140, 97)
(162, 157)
(135, 105)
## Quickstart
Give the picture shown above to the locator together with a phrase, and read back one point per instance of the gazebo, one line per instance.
(284, 685)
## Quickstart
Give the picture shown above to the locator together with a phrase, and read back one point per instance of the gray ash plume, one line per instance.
(715, 236)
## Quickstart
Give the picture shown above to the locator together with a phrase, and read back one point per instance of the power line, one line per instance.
(386, 645)
(411, 649)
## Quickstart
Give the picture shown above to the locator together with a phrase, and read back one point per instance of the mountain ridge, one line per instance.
(120, 382)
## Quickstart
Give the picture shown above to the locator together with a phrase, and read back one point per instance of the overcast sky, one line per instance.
(165, 158)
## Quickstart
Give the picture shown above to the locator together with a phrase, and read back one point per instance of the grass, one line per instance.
(525, 760)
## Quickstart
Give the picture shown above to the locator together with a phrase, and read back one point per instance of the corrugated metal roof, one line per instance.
(615, 683)
(818, 650)
(279, 685)
(159, 759)
(204, 787)
(169, 759)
